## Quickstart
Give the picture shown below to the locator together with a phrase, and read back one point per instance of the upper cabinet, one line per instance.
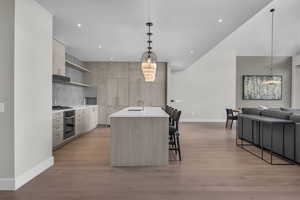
(296, 60)
(59, 58)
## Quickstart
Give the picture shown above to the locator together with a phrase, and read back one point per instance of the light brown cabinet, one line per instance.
(123, 92)
(121, 84)
(117, 92)
(86, 119)
(59, 58)
(57, 128)
(79, 121)
(94, 117)
(112, 91)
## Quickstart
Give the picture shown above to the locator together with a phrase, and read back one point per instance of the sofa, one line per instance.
(255, 127)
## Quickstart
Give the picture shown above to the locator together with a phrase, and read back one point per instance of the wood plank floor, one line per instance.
(213, 168)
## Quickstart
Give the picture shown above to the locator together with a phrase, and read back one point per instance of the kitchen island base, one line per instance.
(139, 141)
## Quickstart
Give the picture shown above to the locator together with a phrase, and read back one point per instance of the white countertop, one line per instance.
(143, 112)
(75, 108)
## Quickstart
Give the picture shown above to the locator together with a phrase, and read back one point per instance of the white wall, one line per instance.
(207, 87)
(33, 90)
(6, 92)
(296, 82)
(26, 91)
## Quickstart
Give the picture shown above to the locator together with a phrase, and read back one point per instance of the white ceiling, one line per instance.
(180, 26)
(254, 37)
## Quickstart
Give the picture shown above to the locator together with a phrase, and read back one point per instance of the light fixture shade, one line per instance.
(148, 66)
(149, 71)
(149, 55)
(272, 82)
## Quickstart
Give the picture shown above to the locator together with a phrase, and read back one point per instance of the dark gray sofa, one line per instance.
(296, 119)
(285, 125)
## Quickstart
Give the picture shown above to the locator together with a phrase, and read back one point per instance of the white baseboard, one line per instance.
(203, 120)
(30, 174)
(14, 184)
(7, 184)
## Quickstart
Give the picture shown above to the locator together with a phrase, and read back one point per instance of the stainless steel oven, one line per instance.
(69, 124)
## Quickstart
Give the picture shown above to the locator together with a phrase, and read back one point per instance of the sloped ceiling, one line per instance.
(254, 37)
(183, 30)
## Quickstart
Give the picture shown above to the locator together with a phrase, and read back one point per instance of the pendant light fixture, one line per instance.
(149, 58)
(272, 82)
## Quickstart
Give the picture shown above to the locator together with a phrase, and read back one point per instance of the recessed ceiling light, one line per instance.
(192, 51)
(99, 46)
(220, 20)
(79, 25)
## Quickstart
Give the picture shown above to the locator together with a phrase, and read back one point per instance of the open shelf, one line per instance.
(72, 83)
(77, 84)
(76, 66)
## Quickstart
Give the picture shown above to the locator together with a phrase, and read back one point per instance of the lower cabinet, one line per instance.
(79, 121)
(297, 142)
(94, 117)
(86, 119)
(57, 128)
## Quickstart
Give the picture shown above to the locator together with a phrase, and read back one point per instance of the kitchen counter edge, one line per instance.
(75, 108)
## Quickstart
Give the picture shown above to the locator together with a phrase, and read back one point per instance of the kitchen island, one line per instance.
(139, 137)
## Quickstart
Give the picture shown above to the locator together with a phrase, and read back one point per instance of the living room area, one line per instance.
(268, 123)
(267, 98)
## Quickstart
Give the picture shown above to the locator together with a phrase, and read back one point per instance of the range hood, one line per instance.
(60, 78)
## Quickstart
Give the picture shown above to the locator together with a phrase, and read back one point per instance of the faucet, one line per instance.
(141, 103)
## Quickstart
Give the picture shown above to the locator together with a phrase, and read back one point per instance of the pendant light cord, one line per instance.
(272, 41)
(149, 27)
(149, 10)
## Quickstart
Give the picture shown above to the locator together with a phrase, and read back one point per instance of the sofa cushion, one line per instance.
(275, 109)
(276, 114)
(297, 113)
(251, 111)
(294, 110)
(295, 118)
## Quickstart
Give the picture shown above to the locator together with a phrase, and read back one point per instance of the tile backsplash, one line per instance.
(67, 95)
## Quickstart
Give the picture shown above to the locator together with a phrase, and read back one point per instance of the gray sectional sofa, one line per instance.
(273, 129)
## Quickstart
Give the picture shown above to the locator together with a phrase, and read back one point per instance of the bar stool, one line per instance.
(174, 143)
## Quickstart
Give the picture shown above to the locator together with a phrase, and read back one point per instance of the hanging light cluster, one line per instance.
(149, 58)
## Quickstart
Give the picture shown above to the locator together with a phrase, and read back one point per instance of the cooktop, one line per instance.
(60, 107)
